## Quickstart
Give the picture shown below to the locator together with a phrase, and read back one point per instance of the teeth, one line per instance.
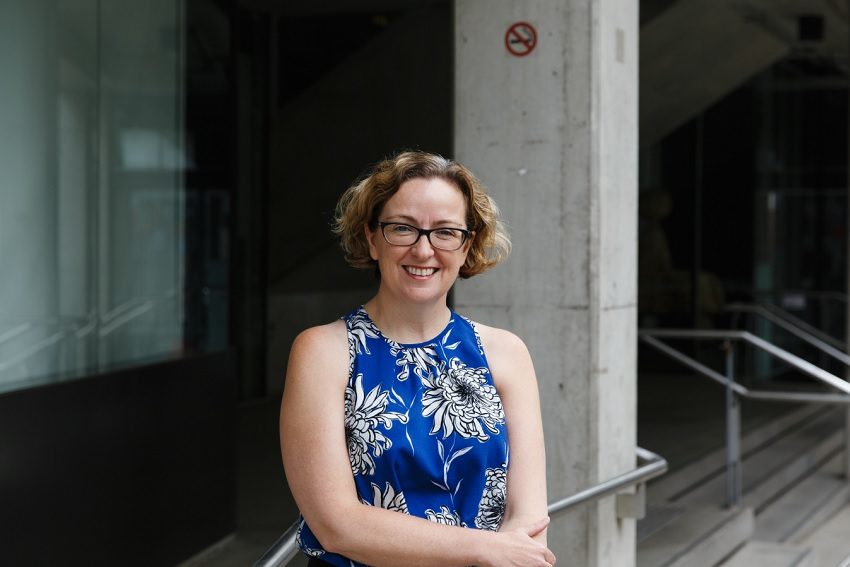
(420, 271)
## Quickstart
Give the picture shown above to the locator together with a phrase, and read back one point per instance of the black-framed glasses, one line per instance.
(443, 238)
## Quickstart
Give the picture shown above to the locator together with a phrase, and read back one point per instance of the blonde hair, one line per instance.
(361, 205)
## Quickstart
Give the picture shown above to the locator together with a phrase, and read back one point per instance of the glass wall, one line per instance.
(747, 200)
(92, 199)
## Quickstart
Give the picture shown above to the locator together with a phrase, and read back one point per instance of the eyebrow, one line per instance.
(410, 220)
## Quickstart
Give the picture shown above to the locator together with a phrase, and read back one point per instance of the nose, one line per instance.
(422, 247)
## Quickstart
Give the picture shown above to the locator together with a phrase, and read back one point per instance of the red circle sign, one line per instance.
(520, 39)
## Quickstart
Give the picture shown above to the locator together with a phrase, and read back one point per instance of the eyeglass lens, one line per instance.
(406, 235)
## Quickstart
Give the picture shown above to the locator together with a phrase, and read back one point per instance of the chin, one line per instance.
(424, 295)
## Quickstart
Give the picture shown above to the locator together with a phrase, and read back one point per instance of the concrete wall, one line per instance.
(554, 137)
(720, 44)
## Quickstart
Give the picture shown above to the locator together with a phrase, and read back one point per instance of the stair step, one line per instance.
(768, 470)
(809, 504)
(656, 518)
(699, 536)
(678, 482)
(772, 554)
(831, 540)
(806, 458)
(792, 483)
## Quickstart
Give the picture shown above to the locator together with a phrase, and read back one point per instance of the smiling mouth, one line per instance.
(422, 272)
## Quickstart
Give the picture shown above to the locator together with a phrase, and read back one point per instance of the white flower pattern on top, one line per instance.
(477, 336)
(388, 499)
(422, 358)
(306, 549)
(491, 509)
(462, 400)
(425, 428)
(360, 328)
(363, 414)
(445, 517)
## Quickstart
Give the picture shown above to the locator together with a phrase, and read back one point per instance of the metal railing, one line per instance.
(653, 466)
(70, 333)
(649, 466)
(797, 327)
(734, 390)
(828, 307)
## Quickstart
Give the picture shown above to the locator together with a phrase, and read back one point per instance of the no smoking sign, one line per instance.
(520, 39)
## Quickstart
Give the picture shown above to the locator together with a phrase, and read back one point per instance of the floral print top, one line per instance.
(425, 429)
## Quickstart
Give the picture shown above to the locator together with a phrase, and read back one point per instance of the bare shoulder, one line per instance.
(508, 357)
(320, 352)
(498, 342)
(323, 339)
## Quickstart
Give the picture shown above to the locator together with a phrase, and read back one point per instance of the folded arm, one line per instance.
(514, 377)
(318, 470)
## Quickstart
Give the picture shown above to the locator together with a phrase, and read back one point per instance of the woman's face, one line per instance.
(420, 273)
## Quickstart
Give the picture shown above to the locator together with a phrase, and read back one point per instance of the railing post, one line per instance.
(733, 432)
(847, 433)
(847, 445)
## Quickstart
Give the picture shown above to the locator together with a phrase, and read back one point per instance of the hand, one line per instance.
(517, 548)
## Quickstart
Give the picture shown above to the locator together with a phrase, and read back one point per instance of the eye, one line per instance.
(447, 234)
(401, 229)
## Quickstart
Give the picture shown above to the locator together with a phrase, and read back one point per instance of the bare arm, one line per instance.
(317, 467)
(514, 377)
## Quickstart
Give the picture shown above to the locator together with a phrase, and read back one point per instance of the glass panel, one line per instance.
(141, 239)
(92, 201)
(803, 247)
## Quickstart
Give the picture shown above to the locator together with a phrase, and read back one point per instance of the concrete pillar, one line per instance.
(553, 135)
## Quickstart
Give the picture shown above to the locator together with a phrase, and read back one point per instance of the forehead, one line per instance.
(431, 198)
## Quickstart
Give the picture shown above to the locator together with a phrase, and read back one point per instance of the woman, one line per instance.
(395, 420)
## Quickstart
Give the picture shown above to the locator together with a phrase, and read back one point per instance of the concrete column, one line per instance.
(553, 135)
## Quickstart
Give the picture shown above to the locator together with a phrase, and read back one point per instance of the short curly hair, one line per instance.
(361, 205)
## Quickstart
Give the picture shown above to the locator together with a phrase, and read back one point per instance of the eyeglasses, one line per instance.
(444, 238)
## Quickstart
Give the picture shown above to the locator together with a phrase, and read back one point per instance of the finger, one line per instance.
(537, 527)
(550, 557)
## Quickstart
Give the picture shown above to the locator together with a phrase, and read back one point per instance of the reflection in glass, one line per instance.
(92, 201)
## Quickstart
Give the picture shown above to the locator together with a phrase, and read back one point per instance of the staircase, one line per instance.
(794, 512)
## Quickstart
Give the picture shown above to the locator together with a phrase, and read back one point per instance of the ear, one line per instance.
(370, 238)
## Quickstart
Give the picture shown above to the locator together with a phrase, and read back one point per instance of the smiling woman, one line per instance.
(394, 417)
(363, 202)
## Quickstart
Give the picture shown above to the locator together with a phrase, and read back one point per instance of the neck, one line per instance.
(406, 322)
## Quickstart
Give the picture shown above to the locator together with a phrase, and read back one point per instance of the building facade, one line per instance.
(170, 169)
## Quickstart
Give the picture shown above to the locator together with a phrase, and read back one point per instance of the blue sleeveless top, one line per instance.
(425, 429)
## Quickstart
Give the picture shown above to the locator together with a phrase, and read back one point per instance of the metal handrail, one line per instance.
(798, 328)
(283, 550)
(81, 326)
(654, 466)
(734, 475)
(14, 332)
(794, 320)
(838, 296)
(286, 548)
(31, 351)
(793, 360)
(21, 327)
